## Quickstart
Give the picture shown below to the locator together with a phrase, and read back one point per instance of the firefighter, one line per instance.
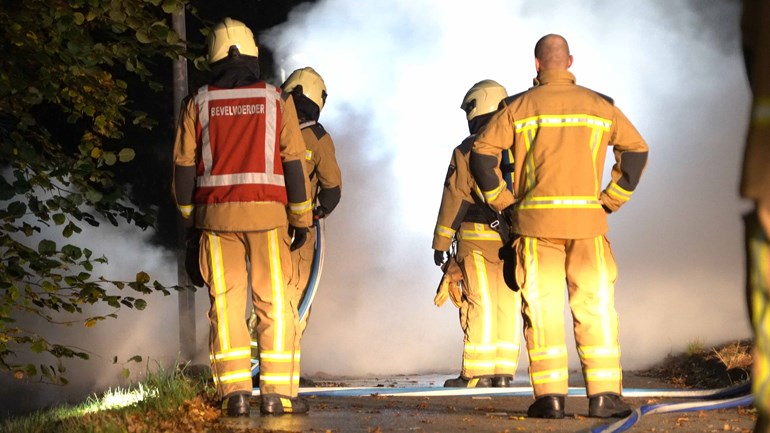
(755, 186)
(239, 177)
(559, 133)
(308, 90)
(489, 309)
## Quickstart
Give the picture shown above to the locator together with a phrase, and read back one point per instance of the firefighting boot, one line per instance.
(463, 382)
(547, 406)
(277, 404)
(237, 404)
(502, 381)
(607, 405)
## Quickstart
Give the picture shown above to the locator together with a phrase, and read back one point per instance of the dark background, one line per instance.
(149, 174)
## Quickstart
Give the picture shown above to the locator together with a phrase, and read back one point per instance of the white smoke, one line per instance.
(152, 333)
(396, 72)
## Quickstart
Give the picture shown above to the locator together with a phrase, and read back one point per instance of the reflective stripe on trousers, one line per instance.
(490, 317)
(758, 279)
(230, 262)
(586, 267)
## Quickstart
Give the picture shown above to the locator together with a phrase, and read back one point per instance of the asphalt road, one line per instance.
(370, 411)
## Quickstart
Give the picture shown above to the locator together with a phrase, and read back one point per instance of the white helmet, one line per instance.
(228, 34)
(484, 97)
(313, 86)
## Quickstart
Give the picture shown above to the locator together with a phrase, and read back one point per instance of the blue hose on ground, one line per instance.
(726, 398)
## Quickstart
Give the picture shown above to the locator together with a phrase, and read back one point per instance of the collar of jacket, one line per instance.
(554, 77)
(235, 72)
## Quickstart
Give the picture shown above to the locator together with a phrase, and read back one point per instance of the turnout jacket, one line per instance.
(457, 202)
(321, 165)
(755, 177)
(238, 160)
(559, 133)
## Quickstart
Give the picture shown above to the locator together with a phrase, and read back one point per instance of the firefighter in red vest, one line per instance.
(490, 312)
(240, 179)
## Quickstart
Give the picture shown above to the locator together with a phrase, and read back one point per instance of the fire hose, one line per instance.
(726, 398)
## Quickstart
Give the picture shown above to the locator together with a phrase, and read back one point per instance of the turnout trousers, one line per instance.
(586, 267)
(758, 291)
(301, 266)
(231, 263)
(490, 314)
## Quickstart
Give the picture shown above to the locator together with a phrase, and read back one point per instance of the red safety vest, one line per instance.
(238, 131)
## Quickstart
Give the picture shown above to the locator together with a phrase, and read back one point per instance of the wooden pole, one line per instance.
(187, 346)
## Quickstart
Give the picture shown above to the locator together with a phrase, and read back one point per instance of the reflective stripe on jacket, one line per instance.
(559, 133)
(245, 159)
(458, 204)
(229, 171)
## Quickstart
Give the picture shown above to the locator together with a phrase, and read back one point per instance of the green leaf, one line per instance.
(17, 209)
(170, 6)
(109, 158)
(126, 154)
(59, 219)
(94, 196)
(143, 37)
(142, 277)
(140, 304)
(39, 346)
(72, 251)
(6, 190)
(49, 287)
(30, 370)
(46, 247)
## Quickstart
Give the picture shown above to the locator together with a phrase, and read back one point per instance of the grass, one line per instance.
(166, 401)
(695, 347)
(706, 368)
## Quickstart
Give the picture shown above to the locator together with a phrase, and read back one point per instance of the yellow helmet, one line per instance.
(227, 34)
(484, 97)
(313, 86)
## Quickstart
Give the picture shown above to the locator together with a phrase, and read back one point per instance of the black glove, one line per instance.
(440, 257)
(300, 236)
(192, 249)
(319, 212)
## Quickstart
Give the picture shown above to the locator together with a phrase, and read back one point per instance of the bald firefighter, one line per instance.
(755, 186)
(559, 133)
(490, 311)
(239, 177)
